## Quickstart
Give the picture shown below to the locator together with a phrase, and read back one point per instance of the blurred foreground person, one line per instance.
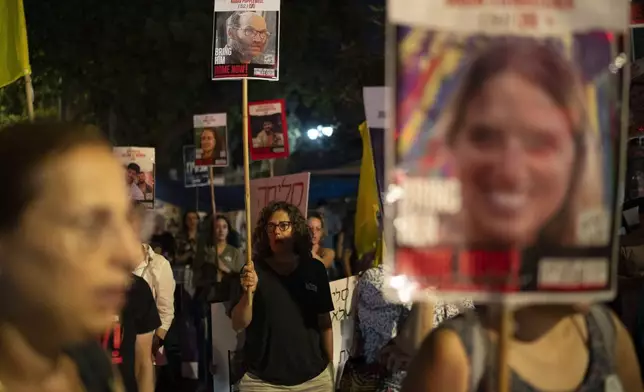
(282, 303)
(67, 255)
(554, 348)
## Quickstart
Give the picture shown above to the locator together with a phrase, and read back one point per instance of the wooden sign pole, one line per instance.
(506, 331)
(211, 171)
(249, 224)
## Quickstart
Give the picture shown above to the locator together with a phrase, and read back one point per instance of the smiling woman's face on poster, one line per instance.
(508, 166)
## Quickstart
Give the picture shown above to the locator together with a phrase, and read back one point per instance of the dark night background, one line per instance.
(140, 70)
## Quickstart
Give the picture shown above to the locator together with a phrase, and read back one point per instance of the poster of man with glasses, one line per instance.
(246, 39)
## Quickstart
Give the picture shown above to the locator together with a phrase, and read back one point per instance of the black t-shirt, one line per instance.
(139, 316)
(283, 342)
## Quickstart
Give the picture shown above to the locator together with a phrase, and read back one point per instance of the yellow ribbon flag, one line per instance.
(14, 51)
(367, 232)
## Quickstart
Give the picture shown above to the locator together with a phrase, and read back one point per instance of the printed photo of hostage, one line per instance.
(246, 41)
(138, 164)
(211, 140)
(517, 165)
(268, 129)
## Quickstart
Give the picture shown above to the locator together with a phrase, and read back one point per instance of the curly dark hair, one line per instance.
(301, 233)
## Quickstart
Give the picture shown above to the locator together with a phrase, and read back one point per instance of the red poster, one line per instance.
(267, 130)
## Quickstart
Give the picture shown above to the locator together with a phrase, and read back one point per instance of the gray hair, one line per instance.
(233, 20)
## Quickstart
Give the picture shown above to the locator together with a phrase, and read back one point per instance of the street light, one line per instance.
(320, 131)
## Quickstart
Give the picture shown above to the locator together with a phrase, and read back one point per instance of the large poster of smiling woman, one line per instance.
(502, 164)
(211, 140)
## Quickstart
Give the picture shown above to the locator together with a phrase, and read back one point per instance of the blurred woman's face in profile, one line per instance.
(207, 141)
(192, 220)
(221, 230)
(316, 230)
(68, 264)
(514, 157)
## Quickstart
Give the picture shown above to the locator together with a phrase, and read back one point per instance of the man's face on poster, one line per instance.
(267, 127)
(130, 176)
(141, 178)
(251, 36)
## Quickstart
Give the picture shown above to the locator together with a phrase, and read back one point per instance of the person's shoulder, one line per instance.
(313, 265)
(94, 366)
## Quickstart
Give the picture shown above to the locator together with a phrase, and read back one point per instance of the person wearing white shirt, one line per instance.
(157, 272)
(132, 171)
(267, 137)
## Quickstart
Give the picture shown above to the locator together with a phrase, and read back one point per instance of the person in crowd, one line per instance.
(247, 35)
(130, 339)
(267, 137)
(67, 255)
(324, 255)
(142, 183)
(282, 303)
(217, 261)
(333, 224)
(186, 244)
(157, 272)
(345, 248)
(521, 102)
(162, 241)
(132, 172)
(383, 346)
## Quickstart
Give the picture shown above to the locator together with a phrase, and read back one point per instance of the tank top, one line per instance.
(600, 375)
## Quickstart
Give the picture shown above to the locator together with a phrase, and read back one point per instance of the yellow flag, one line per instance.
(14, 52)
(367, 232)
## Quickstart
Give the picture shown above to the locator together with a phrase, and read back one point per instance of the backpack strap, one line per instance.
(475, 343)
(606, 325)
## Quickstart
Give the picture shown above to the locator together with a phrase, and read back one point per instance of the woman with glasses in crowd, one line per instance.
(282, 304)
(67, 255)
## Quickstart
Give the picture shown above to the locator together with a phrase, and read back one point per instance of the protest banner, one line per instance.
(193, 175)
(293, 189)
(228, 345)
(491, 196)
(139, 165)
(246, 39)
(211, 140)
(268, 129)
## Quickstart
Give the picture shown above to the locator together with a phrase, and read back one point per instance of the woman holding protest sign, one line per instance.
(67, 255)
(527, 161)
(282, 303)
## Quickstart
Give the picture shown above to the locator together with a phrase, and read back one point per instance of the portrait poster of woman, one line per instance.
(211, 140)
(503, 166)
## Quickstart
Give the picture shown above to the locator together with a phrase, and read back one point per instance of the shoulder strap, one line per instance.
(475, 342)
(602, 316)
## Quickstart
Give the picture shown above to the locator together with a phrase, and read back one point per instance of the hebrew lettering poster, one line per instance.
(211, 140)
(503, 156)
(246, 39)
(138, 170)
(293, 189)
(268, 130)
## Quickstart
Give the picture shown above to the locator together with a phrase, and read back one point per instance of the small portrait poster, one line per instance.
(138, 166)
(211, 140)
(246, 39)
(268, 130)
(193, 175)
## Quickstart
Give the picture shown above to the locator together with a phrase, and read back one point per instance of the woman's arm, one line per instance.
(143, 367)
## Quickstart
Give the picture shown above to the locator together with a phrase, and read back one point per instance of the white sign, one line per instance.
(293, 189)
(374, 106)
(527, 17)
(226, 341)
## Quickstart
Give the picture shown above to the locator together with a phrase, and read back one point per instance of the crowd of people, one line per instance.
(79, 276)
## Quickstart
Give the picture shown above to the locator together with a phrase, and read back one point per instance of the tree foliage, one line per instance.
(141, 69)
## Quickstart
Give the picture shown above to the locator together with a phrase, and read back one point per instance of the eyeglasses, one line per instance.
(283, 226)
(250, 32)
